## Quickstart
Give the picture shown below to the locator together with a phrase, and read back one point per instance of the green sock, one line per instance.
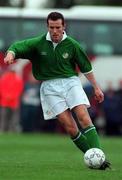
(92, 137)
(81, 142)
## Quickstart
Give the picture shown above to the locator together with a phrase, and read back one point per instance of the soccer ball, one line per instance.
(94, 158)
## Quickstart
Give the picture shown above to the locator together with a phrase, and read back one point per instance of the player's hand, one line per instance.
(99, 96)
(9, 58)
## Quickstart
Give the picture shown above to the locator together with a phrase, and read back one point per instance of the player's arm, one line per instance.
(86, 68)
(21, 49)
(99, 96)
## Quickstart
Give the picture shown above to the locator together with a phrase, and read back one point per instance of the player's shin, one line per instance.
(81, 142)
(92, 137)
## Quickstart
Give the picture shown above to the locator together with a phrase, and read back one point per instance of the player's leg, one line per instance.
(89, 131)
(87, 126)
(71, 128)
(4, 119)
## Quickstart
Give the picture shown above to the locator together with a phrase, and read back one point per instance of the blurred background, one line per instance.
(97, 25)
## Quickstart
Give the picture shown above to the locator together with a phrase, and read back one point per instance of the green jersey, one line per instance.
(49, 62)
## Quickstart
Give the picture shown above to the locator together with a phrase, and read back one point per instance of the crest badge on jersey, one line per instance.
(43, 53)
(65, 55)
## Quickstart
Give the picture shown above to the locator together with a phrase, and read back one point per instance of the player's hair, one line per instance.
(55, 16)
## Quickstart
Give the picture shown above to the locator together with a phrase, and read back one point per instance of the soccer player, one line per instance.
(54, 57)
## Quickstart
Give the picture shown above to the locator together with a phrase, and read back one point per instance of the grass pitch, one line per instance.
(53, 157)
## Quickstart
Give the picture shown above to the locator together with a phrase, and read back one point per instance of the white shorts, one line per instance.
(60, 94)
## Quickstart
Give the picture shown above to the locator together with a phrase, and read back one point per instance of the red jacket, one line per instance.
(11, 87)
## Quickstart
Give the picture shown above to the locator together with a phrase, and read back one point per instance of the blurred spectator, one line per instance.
(11, 87)
(111, 111)
(31, 115)
(32, 119)
(119, 95)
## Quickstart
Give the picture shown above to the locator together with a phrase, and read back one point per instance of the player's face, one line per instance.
(56, 29)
